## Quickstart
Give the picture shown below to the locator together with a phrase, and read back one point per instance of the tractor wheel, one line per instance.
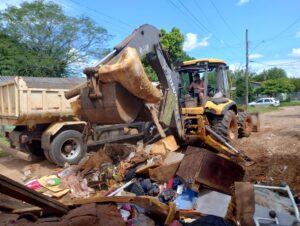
(226, 126)
(245, 124)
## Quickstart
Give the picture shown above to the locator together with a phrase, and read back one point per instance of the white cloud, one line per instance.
(255, 56)
(243, 2)
(295, 52)
(298, 34)
(191, 42)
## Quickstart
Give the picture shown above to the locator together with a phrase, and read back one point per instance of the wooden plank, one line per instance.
(19, 191)
(150, 204)
(8, 203)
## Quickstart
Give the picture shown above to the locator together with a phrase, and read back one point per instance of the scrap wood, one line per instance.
(163, 146)
(8, 203)
(188, 214)
(34, 210)
(21, 192)
(163, 173)
(150, 204)
(145, 169)
(171, 214)
(154, 114)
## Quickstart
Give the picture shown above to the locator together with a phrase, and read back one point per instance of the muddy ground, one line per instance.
(276, 150)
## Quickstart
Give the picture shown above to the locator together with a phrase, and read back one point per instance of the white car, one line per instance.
(265, 102)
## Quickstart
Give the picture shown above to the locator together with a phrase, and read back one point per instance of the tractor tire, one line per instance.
(67, 147)
(245, 124)
(226, 126)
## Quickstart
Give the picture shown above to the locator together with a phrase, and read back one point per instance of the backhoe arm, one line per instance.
(145, 40)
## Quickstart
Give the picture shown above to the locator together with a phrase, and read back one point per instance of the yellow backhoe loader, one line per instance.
(118, 92)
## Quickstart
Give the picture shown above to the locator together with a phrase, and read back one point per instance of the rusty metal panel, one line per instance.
(202, 167)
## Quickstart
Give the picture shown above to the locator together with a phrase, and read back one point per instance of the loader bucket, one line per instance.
(129, 72)
(124, 87)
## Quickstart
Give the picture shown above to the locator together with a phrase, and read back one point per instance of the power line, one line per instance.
(277, 35)
(199, 22)
(112, 27)
(223, 19)
(195, 18)
(286, 29)
(279, 64)
(103, 14)
(196, 21)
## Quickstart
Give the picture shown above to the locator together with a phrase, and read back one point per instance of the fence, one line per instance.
(289, 96)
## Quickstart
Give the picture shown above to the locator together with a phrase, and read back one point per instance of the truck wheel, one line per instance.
(226, 126)
(67, 147)
(245, 124)
(47, 155)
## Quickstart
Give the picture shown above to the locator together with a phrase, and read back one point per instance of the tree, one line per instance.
(237, 80)
(296, 83)
(55, 41)
(276, 86)
(172, 42)
(273, 73)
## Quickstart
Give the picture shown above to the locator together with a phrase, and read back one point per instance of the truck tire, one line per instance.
(47, 155)
(67, 147)
(226, 126)
(245, 124)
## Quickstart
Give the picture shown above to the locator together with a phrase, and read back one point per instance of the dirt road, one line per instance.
(276, 149)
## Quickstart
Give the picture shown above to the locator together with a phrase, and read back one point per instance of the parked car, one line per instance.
(265, 102)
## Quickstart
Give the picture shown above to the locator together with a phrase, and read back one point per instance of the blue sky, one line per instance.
(212, 28)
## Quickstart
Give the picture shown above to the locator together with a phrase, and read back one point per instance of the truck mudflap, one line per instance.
(54, 128)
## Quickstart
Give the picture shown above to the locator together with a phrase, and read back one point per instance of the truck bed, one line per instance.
(33, 100)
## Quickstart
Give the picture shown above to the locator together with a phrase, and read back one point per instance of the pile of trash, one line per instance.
(161, 170)
(157, 184)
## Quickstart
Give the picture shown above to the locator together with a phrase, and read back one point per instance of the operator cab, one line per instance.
(213, 84)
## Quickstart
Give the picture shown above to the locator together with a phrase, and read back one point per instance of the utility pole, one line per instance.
(247, 71)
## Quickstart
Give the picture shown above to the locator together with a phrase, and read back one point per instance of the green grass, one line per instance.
(262, 109)
(3, 141)
(291, 103)
(270, 109)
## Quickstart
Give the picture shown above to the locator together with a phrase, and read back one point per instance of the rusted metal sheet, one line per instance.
(117, 105)
(19, 191)
(202, 167)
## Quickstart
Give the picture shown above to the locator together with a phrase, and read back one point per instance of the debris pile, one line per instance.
(158, 184)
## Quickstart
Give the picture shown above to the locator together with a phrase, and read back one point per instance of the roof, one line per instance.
(6, 78)
(202, 60)
(46, 82)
